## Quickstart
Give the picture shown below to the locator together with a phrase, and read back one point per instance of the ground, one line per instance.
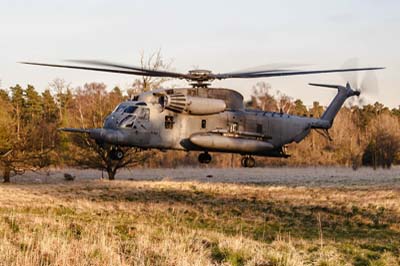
(262, 216)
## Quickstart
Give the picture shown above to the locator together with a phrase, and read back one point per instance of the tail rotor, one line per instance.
(366, 88)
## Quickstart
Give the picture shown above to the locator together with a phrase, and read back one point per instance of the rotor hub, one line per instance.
(200, 77)
(200, 72)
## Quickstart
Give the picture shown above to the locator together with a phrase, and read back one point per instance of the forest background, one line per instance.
(362, 134)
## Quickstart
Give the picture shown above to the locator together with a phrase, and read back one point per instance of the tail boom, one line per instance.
(329, 115)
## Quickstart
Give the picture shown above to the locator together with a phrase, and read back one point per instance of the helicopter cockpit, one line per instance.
(130, 114)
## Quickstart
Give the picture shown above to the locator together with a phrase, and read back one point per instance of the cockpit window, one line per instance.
(128, 121)
(130, 109)
(120, 108)
(144, 114)
(133, 115)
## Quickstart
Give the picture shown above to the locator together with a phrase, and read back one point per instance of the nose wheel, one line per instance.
(205, 158)
(248, 162)
(116, 154)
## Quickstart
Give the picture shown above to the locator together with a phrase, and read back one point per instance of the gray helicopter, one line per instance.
(204, 119)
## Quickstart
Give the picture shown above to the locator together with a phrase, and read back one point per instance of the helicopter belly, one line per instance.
(218, 142)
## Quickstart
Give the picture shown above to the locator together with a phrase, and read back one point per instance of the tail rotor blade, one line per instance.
(362, 100)
(351, 77)
(369, 84)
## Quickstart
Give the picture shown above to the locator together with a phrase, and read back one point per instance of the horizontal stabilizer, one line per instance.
(325, 85)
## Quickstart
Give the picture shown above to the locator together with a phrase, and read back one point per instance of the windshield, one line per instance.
(128, 121)
(130, 109)
(120, 107)
(133, 114)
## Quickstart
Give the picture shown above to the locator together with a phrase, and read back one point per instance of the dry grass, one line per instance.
(95, 222)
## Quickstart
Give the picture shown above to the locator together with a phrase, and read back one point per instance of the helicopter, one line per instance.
(205, 119)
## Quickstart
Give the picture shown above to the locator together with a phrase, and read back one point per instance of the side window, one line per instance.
(233, 127)
(169, 122)
(144, 114)
(203, 123)
(128, 121)
(259, 128)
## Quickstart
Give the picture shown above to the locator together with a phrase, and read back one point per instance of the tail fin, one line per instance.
(334, 107)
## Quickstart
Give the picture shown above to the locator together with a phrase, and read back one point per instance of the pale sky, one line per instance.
(218, 35)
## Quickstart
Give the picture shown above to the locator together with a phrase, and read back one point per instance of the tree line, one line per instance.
(29, 139)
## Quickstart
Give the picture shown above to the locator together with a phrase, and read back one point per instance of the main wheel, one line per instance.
(116, 154)
(119, 154)
(204, 157)
(207, 158)
(248, 162)
(251, 162)
(243, 162)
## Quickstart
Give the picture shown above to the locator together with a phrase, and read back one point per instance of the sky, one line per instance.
(221, 36)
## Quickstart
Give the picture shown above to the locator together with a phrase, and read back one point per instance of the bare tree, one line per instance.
(284, 102)
(154, 61)
(17, 161)
(263, 98)
(90, 155)
(60, 88)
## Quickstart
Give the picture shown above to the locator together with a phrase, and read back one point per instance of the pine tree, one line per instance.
(299, 108)
(33, 105)
(49, 107)
(18, 103)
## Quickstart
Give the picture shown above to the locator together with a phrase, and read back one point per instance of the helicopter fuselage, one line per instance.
(149, 123)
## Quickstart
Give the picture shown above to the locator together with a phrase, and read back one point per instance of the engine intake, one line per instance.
(193, 105)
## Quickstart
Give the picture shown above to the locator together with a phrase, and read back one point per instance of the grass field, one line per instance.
(204, 221)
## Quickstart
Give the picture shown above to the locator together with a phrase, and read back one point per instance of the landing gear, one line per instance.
(248, 162)
(116, 154)
(204, 157)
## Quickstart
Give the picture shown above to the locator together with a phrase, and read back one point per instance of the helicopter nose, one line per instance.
(108, 135)
(110, 122)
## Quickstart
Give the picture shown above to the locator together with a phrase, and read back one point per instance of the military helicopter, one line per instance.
(205, 119)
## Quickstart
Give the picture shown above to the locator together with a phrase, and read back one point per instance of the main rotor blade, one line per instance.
(289, 73)
(267, 68)
(135, 68)
(131, 70)
(120, 71)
